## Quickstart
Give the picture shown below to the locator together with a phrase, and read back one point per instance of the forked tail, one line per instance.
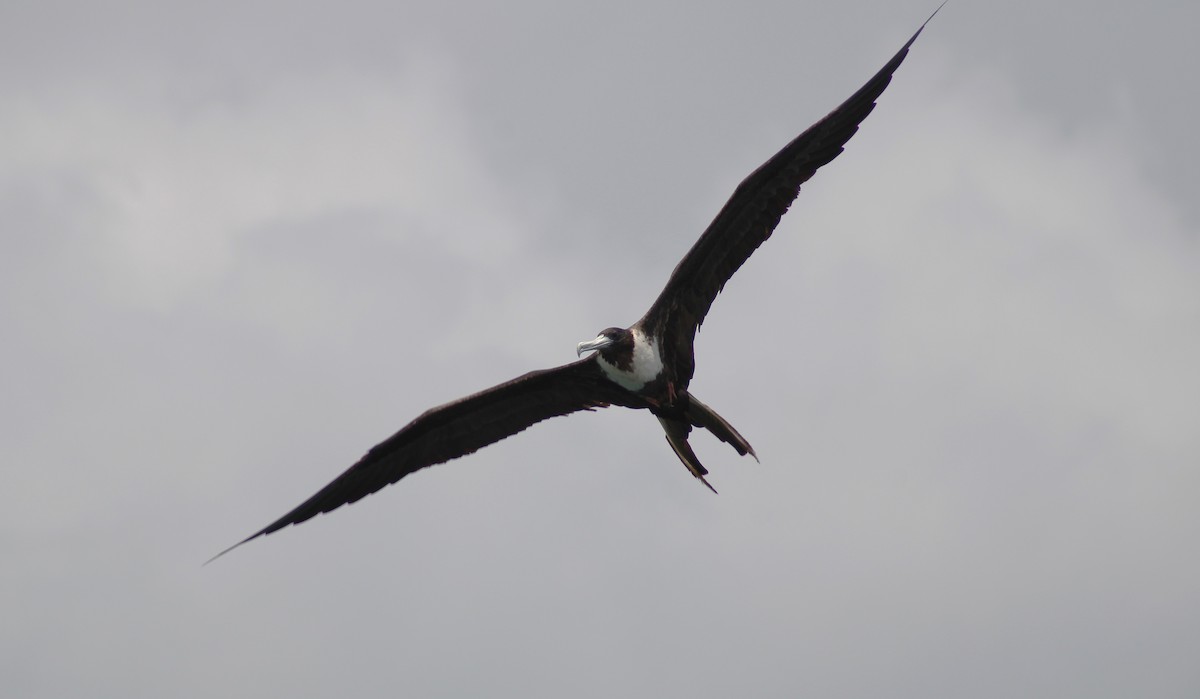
(700, 415)
(677, 436)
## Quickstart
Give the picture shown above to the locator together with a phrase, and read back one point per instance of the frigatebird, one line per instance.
(645, 366)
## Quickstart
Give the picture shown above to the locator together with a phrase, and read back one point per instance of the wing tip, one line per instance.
(927, 20)
(243, 541)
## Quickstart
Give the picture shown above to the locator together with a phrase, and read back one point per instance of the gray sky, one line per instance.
(240, 243)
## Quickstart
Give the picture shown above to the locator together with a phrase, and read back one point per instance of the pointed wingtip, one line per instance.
(939, 7)
(932, 15)
(922, 27)
(247, 539)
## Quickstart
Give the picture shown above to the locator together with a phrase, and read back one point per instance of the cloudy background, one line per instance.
(242, 242)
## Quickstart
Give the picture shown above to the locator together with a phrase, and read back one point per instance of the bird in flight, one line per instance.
(646, 366)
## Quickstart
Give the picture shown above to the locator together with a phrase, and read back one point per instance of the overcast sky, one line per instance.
(240, 243)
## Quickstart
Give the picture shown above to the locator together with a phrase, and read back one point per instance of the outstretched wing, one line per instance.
(461, 427)
(749, 218)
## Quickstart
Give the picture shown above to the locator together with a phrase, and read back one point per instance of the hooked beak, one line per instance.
(599, 343)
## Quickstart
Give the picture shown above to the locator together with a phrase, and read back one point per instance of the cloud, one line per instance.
(965, 359)
(170, 192)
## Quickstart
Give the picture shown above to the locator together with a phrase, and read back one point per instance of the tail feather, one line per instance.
(677, 435)
(701, 415)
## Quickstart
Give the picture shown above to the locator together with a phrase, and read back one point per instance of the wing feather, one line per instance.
(461, 427)
(749, 218)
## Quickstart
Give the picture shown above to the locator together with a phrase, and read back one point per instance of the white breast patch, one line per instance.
(647, 364)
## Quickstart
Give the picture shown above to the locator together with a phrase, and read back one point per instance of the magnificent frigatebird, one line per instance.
(645, 366)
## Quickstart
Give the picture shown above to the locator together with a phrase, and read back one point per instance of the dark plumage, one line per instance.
(646, 366)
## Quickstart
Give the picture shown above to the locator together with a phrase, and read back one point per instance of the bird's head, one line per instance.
(610, 340)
